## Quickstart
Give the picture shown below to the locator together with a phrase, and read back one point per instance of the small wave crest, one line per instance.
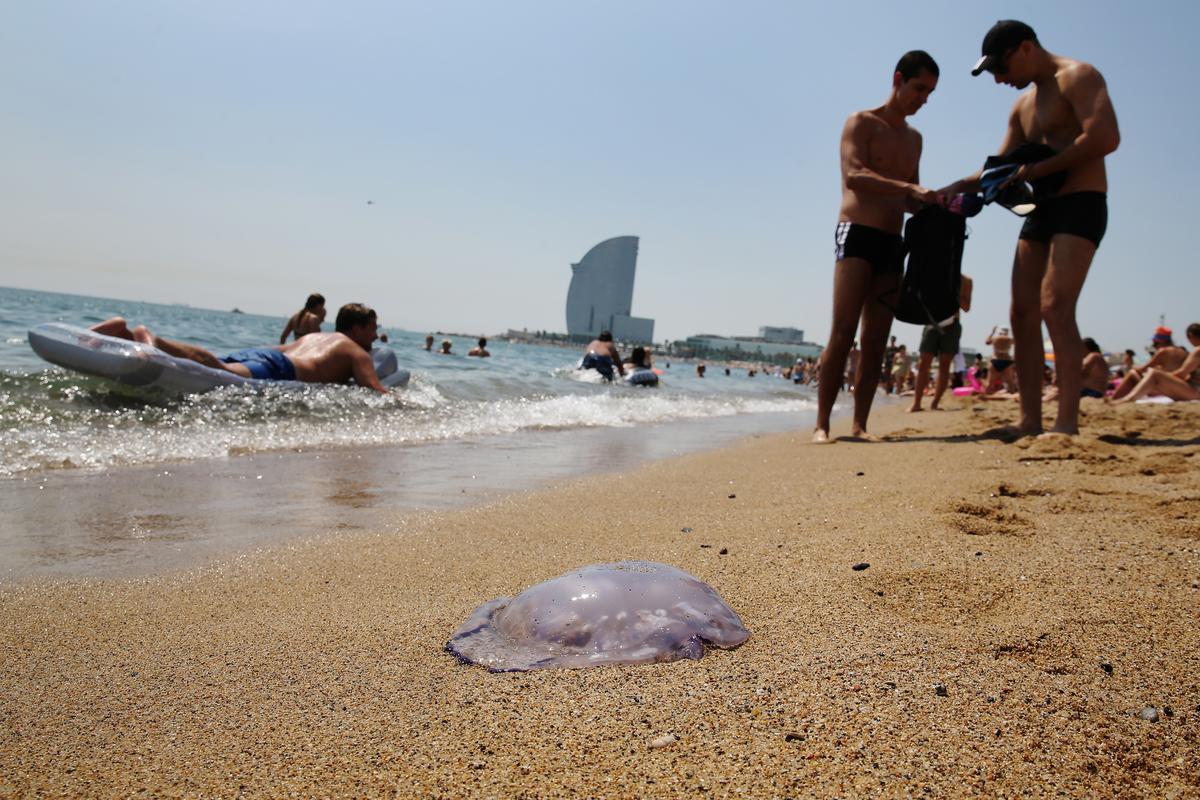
(55, 420)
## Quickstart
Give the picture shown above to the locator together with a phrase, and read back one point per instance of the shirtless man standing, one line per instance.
(880, 156)
(1069, 110)
(315, 358)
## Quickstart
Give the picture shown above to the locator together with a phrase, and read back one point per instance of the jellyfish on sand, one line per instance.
(633, 612)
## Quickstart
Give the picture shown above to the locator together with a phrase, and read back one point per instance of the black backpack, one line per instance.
(929, 292)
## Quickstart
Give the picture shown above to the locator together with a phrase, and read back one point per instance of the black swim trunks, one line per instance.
(1079, 213)
(882, 250)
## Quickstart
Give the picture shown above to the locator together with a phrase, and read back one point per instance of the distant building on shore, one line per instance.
(772, 344)
(601, 293)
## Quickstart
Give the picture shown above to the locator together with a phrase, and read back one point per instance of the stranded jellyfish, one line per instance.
(634, 612)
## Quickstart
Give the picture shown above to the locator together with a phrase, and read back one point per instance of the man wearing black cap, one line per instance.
(1069, 111)
(881, 155)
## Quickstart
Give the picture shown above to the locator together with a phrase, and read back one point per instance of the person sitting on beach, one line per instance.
(1095, 370)
(1095, 373)
(1126, 363)
(602, 356)
(429, 343)
(480, 350)
(1179, 384)
(1167, 357)
(314, 358)
(307, 320)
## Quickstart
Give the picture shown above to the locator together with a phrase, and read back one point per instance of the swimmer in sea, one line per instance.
(315, 358)
(307, 320)
(480, 350)
(602, 356)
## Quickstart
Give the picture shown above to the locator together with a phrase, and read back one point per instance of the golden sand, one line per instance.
(1024, 604)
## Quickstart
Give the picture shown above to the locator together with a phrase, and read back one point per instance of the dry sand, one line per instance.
(1024, 602)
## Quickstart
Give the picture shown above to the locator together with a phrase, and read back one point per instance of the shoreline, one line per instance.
(1023, 604)
(150, 519)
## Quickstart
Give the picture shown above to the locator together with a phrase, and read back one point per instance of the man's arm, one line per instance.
(616, 358)
(1084, 88)
(1190, 365)
(964, 293)
(363, 368)
(856, 148)
(1014, 135)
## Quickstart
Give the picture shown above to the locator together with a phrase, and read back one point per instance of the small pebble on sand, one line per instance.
(1149, 713)
(860, 566)
(662, 741)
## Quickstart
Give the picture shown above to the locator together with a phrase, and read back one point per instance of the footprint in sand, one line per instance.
(989, 520)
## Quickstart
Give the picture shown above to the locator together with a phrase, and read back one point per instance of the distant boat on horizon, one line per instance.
(237, 310)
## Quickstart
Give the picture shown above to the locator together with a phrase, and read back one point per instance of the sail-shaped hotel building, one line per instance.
(601, 293)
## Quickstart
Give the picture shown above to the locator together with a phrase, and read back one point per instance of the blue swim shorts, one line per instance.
(264, 363)
(602, 364)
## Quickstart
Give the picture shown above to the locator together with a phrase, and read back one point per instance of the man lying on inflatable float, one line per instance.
(315, 358)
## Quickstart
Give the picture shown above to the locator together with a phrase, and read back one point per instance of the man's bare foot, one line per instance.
(1057, 432)
(142, 334)
(1010, 433)
(861, 436)
(912, 409)
(113, 327)
(821, 437)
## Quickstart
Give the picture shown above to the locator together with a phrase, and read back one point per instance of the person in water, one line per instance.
(307, 320)
(429, 343)
(638, 358)
(1069, 110)
(480, 350)
(602, 356)
(880, 158)
(316, 358)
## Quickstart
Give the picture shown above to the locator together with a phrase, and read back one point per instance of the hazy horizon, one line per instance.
(447, 164)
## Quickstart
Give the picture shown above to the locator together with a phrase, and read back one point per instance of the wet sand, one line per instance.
(1023, 604)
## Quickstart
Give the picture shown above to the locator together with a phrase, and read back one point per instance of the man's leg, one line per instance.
(851, 280)
(922, 380)
(113, 327)
(1161, 382)
(1029, 267)
(189, 351)
(876, 325)
(1070, 258)
(943, 378)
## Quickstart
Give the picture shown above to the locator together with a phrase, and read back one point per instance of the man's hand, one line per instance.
(922, 195)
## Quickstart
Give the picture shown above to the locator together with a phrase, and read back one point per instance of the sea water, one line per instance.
(98, 480)
(52, 418)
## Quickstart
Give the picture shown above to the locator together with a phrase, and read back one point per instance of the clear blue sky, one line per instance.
(223, 153)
